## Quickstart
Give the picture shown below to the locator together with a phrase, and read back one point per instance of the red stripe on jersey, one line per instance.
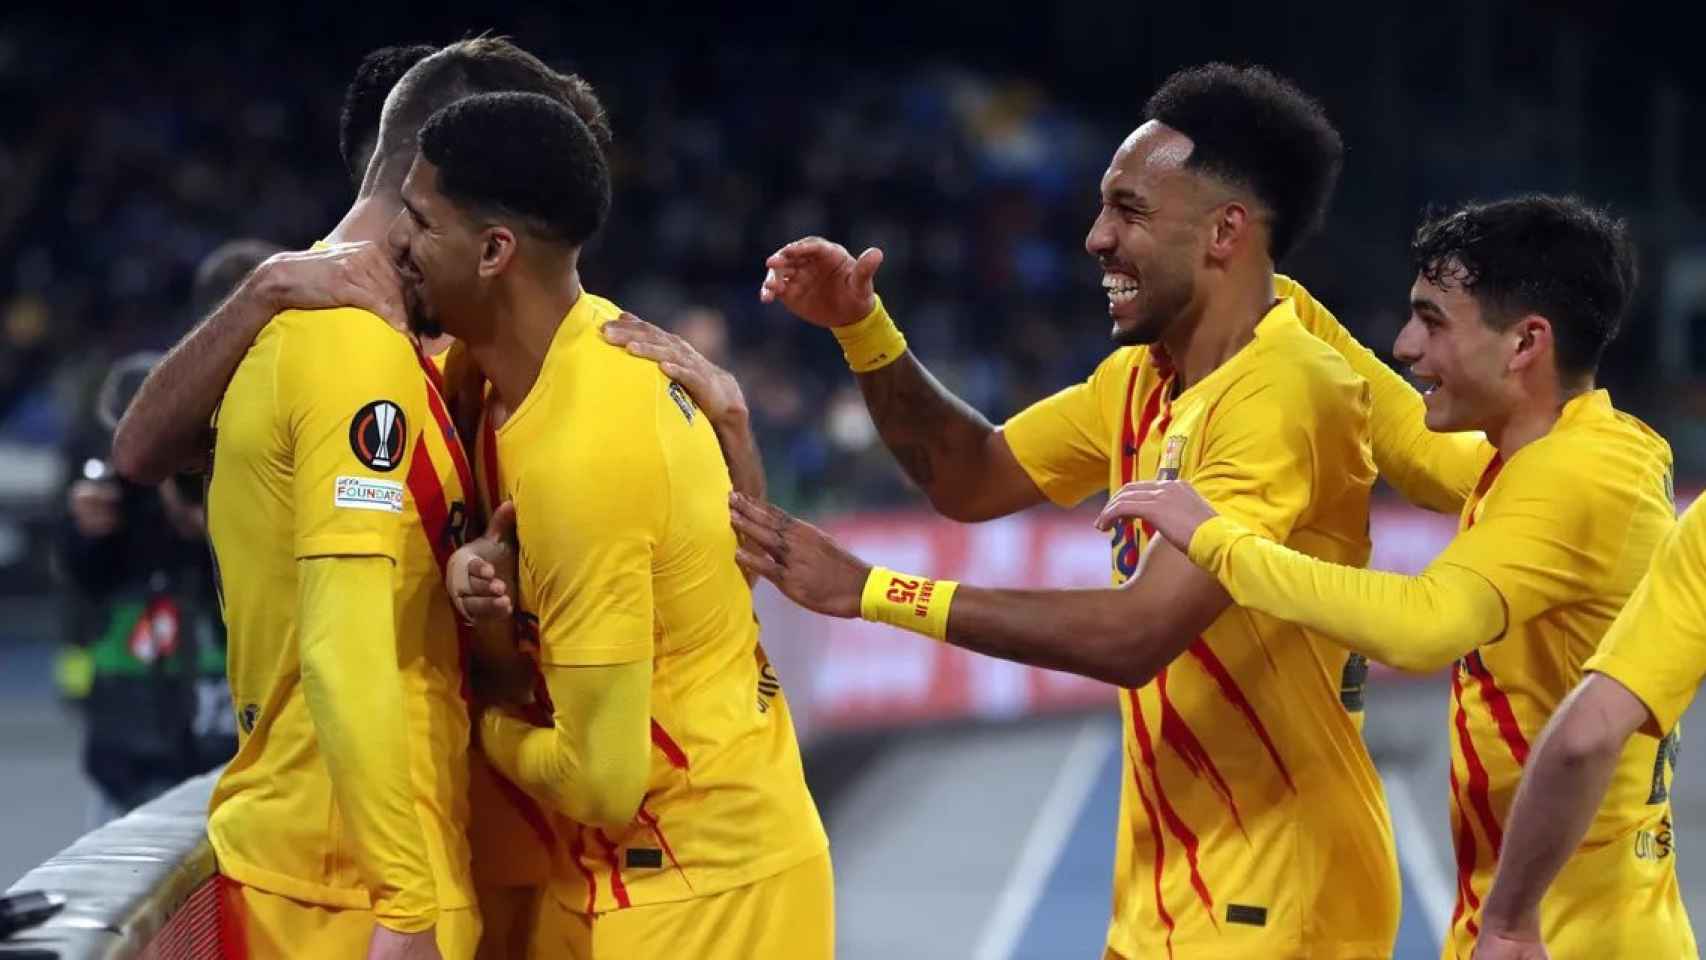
(1465, 843)
(651, 821)
(1500, 704)
(671, 750)
(435, 402)
(1160, 851)
(1178, 734)
(1175, 825)
(576, 849)
(1488, 475)
(233, 931)
(1477, 786)
(618, 889)
(1235, 695)
(434, 511)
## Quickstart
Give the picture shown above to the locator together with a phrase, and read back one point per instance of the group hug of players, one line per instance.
(485, 543)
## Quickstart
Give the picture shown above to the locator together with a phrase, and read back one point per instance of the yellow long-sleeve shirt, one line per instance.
(1546, 556)
(328, 449)
(627, 570)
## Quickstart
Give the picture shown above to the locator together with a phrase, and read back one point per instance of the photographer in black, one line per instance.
(150, 664)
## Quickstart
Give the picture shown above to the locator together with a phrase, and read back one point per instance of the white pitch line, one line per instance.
(1433, 883)
(1049, 832)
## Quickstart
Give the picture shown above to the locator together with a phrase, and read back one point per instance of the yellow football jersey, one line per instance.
(1657, 646)
(1253, 822)
(1564, 531)
(331, 441)
(621, 497)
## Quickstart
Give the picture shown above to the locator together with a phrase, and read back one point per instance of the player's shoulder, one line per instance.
(1597, 457)
(1296, 366)
(346, 332)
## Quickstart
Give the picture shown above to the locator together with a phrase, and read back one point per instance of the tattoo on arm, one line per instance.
(936, 437)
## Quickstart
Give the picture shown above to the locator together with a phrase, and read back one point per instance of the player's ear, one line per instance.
(1231, 223)
(497, 248)
(1533, 341)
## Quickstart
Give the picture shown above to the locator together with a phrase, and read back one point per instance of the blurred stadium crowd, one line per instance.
(974, 173)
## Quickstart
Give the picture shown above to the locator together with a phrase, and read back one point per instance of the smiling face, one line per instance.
(1150, 233)
(1461, 362)
(437, 251)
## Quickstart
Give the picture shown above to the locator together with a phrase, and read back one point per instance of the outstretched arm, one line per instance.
(956, 456)
(165, 430)
(1122, 636)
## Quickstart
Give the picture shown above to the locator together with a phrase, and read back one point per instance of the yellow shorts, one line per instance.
(790, 916)
(256, 925)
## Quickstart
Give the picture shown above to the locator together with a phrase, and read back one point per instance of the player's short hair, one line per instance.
(521, 156)
(1557, 257)
(221, 271)
(480, 65)
(364, 100)
(1256, 130)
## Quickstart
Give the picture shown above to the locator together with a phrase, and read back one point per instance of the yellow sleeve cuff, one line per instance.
(872, 343)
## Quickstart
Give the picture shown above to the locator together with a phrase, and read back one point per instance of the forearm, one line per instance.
(937, 438)
(1561, 791)
(594, 762)
(740, 452)
(353, 688)
(1086, 632)
(746, 464)
(165, 429)
(1415, 623)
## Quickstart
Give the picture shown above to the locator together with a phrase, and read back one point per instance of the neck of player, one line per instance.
(1533, 415)
(1220, 326)
(368, 220)
(526, 312)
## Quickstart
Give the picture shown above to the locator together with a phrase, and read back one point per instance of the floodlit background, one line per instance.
(971, 803)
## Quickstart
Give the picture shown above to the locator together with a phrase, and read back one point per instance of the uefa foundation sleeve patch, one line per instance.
(366, 493)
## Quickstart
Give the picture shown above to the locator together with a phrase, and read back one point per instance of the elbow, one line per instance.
(1439, 640)
(1579, 742)
(130, 458)
(1132, 657)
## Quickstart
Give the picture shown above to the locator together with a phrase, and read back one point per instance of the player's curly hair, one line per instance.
(521, 156)
(1255, 129)
(1557, 257)
(364, 100)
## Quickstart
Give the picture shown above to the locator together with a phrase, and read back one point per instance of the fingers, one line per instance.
(758, 532)
(502, 524)
(481, 609)
(761, 513)
(865, 269)
(759, 563)
(1129, 502)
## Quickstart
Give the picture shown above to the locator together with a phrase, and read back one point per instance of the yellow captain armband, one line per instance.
(910, 603)
(873, 343)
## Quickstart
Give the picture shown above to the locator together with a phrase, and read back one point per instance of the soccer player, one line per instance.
(1253, 822)
(364, 102)
(1512, 307)
(671, 754)
(1644, 675)
(338, 483)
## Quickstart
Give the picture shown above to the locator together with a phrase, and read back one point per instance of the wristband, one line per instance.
(910, 603)
(873, 343)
